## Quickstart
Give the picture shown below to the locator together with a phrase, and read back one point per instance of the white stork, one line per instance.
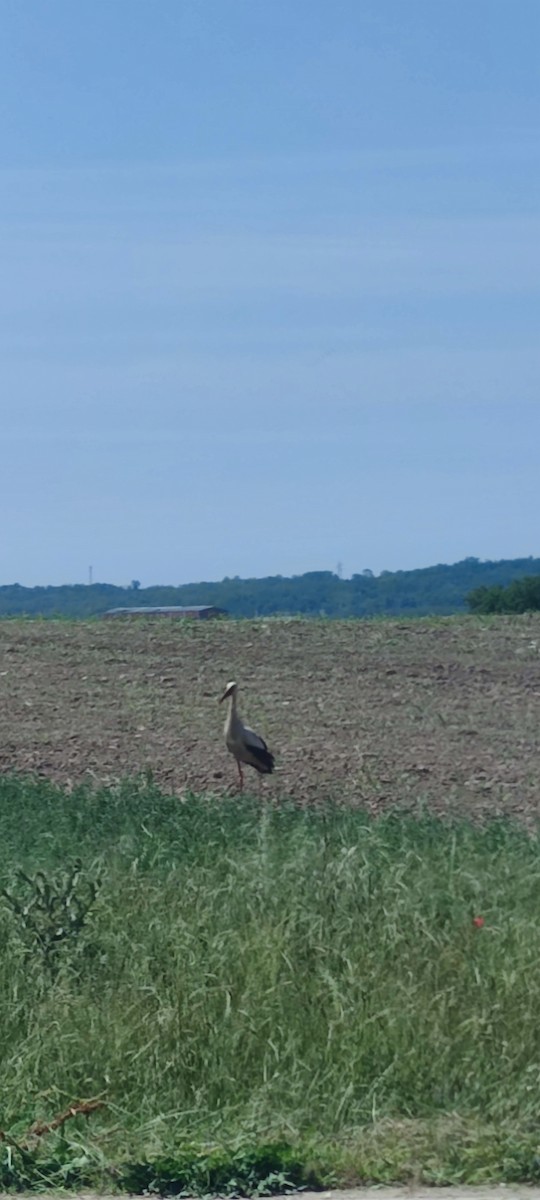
(243, 743)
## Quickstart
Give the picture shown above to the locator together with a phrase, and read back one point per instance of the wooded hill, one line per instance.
(440, 589)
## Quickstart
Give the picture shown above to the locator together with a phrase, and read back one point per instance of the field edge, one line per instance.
(443, 1151)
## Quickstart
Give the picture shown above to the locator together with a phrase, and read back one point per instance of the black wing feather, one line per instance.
(265, 760)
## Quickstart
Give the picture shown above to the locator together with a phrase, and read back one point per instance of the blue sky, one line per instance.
(269, 297)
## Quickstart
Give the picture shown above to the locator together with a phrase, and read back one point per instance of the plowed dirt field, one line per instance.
(443, 712)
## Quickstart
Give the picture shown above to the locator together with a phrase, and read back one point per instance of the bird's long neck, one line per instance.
(232, 715)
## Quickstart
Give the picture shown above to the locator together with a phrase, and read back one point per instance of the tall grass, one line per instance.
(257, 970)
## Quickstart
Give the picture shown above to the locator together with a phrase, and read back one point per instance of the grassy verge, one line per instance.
(263, 996)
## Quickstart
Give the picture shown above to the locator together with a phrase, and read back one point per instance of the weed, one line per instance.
(52, 910)
(262, 976)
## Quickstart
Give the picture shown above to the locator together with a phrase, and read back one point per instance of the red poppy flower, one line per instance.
(478, 921)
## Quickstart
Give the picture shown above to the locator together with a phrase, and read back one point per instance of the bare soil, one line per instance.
(443, 712)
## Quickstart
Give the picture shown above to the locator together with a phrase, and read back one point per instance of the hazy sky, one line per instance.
(269, 286)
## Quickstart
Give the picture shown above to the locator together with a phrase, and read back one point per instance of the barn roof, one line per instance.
(164, 608)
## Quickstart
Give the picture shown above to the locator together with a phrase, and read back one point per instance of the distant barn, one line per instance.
(200, 612)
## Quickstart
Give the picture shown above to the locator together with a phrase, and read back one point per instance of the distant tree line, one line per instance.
(430, 590)
(520, 596)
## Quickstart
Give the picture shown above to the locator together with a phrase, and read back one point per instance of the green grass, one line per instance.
(267, 994)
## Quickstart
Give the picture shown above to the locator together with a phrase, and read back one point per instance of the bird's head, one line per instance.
(230, 690)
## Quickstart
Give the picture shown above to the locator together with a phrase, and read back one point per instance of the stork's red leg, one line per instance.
(239, 765)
